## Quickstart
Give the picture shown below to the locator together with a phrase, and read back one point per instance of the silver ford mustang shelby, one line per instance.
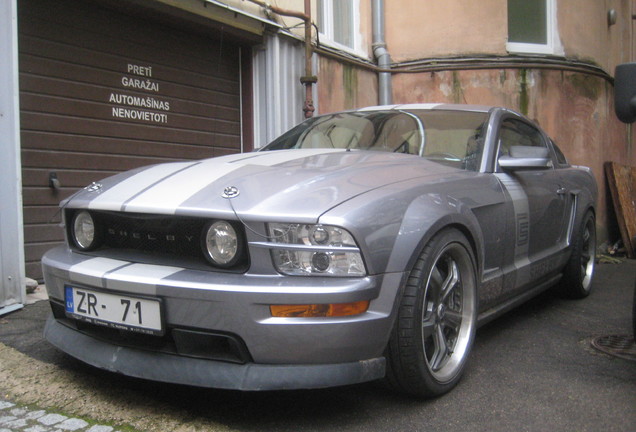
(359, 245)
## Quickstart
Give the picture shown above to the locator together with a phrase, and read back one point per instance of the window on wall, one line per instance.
(338, 22)
(532, 27)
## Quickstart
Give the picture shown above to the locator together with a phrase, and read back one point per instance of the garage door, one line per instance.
(102, 91)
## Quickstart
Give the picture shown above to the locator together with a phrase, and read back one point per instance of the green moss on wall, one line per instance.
(586, 85)
(350, 83)
(502, 77)
(458, 94)
(523, 91)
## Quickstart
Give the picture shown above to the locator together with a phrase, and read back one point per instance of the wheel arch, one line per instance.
(409, 246)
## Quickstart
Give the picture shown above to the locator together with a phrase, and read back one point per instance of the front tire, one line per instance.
(577, 276)
(436, 321)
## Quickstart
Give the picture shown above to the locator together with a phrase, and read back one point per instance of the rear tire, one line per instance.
(435, 326)
(577, 276)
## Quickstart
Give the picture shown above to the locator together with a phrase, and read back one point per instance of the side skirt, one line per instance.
(498, 310)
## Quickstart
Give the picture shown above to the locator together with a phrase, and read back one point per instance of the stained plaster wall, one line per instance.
(575, 108)
(342, 86)
(586, 35)
(417, 29)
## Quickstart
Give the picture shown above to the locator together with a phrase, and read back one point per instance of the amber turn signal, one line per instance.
(319, 310)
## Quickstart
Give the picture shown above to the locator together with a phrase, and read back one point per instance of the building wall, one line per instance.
(343, 86)
(586, 34)
(575, 106)
(417, 29)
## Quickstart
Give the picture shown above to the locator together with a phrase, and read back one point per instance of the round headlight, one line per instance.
(221, 244)
(83, 231)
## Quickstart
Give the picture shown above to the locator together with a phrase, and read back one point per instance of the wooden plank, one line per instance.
(109, 33)
(37, 177)
(121, 130)
(622, 184)
(56, 141)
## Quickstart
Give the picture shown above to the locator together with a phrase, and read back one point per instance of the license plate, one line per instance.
(122, 312)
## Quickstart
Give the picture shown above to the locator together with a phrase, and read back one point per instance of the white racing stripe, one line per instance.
(169, 193)
(92, 271)
(121, 275)
(139, 278)
(162, 188)
(113, 198)
(271, 158)
(166, 196)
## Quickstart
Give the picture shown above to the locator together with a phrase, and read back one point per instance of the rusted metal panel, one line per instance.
(278, 93)
(102, 92)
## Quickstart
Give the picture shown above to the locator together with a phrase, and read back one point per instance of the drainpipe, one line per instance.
(308, 79)
(380, 52)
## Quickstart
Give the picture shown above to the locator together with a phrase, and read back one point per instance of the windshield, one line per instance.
(450, 137)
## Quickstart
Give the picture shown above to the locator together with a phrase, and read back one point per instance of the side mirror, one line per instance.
(625, 92)
(526, 158)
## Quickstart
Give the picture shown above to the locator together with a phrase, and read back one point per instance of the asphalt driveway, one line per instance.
(533, 369)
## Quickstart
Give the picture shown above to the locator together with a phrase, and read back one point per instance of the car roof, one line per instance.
(431, 106)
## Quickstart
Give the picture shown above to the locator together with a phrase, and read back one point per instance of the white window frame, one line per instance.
(553, 45)
(326, 30)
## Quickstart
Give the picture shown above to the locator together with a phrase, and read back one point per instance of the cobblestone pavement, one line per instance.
(18, 418)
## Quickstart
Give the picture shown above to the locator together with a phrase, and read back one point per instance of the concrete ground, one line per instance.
(533, 369)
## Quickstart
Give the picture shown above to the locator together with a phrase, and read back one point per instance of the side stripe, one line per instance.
(522, 226)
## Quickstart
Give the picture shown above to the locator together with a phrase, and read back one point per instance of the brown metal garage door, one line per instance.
(102, 91)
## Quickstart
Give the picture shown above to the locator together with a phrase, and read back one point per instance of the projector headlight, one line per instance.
(315, 250)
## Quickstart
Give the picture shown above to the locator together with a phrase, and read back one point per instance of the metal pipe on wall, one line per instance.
(385, 90)
(308, 80)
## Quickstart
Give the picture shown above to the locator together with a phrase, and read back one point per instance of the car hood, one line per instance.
(281, 185)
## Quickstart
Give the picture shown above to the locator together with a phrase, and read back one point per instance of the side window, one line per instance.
(515, 136)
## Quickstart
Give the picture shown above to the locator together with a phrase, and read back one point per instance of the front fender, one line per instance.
(393, 224)
(426, 216)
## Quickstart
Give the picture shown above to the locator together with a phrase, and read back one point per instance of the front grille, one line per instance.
(148, 233)
(157, 239)
(187, 342)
